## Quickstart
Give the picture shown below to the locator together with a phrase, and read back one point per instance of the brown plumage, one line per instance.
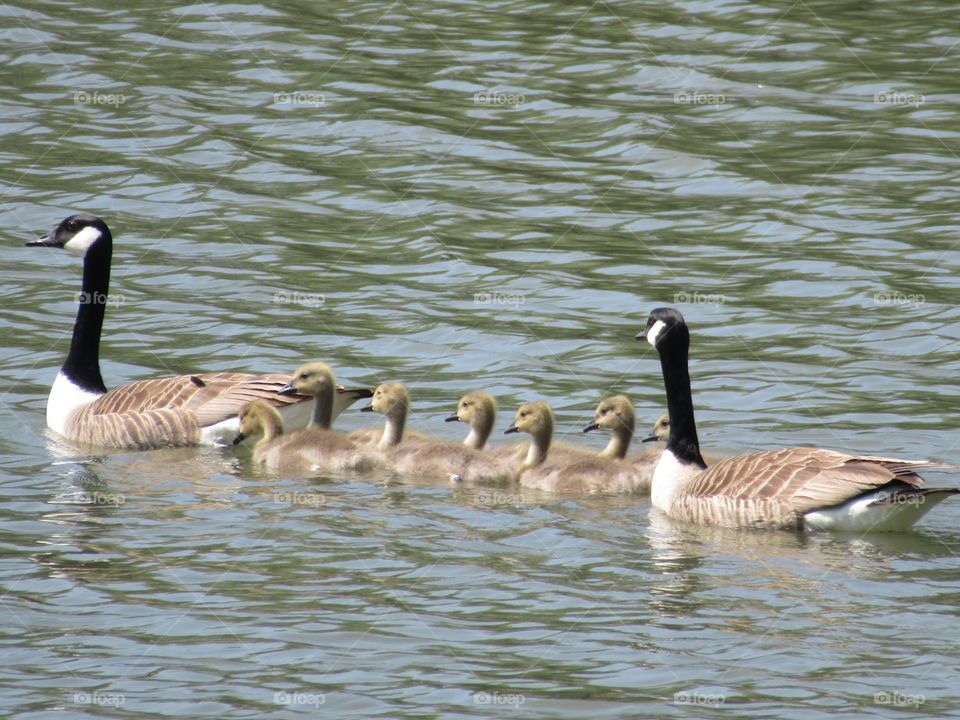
(787, 488)
(775, 488)
(172, 411)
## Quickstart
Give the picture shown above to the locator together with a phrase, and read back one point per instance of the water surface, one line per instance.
(480, 195)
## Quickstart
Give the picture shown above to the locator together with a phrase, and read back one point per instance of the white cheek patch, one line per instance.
(82, 241)
(654, 332)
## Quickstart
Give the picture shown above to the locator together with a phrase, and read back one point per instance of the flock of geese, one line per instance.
(292, 416)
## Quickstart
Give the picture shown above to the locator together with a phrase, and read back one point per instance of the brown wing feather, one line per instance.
(173, 410)
(788, 482)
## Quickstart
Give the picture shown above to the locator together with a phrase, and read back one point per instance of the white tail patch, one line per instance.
(65, 399)
(879, 511)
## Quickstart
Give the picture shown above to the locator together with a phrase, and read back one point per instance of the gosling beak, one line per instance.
(368, 408)
(511, 429)
(287, 389)
(239, 438)
(651, 438)
(591, 426)
(453, 418)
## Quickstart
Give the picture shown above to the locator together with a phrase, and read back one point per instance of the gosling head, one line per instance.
(661, 429)
(614, 413)
(312, 379)
(475, 408)
(535, 418)
(259, 418)
(390, 399)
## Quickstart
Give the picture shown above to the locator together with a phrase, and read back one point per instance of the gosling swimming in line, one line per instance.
(417, 454)
(584, 474)
(316, 448)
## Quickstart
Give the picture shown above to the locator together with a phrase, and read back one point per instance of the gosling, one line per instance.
(584, 473)
(424, 456)
(316, 448)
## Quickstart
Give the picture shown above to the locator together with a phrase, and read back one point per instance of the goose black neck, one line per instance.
(674, 350)
(82, 365)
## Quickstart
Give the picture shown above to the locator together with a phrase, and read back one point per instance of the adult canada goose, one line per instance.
(313, 449)
(787, 488)
(417, 454)
(577, 473)
(171, 411)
